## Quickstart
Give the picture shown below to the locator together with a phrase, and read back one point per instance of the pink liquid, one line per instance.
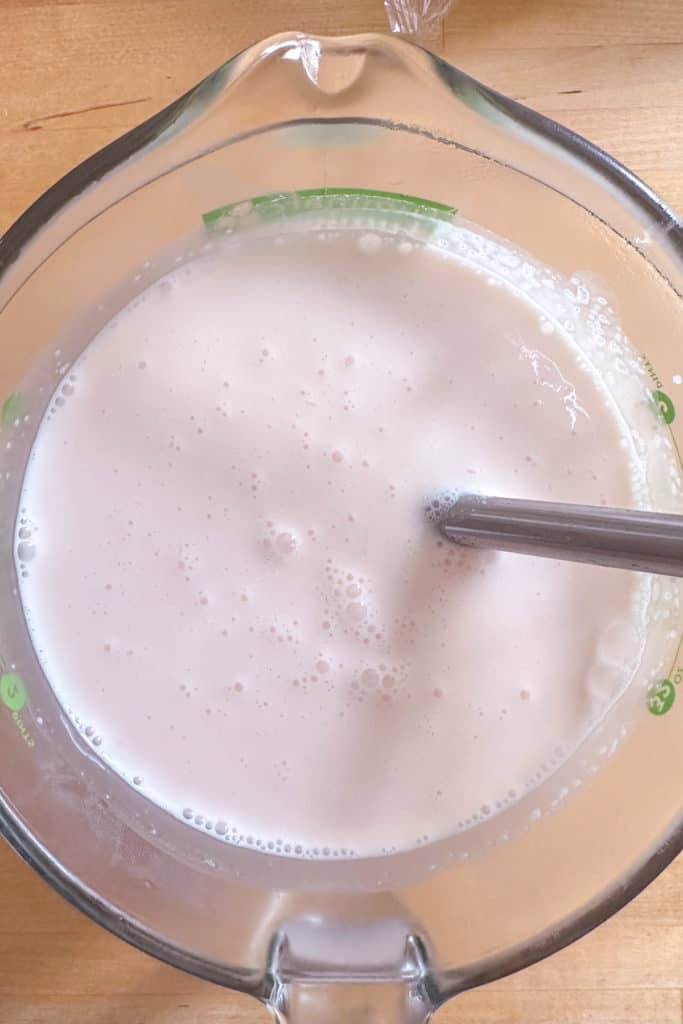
(234, 590)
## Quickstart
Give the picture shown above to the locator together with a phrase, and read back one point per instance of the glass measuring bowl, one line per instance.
(380, 937)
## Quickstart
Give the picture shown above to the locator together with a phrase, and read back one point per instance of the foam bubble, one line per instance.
(25, 551)
(285, 544)
(369, 243)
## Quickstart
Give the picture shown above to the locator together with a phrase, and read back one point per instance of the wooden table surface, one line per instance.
(76, 73)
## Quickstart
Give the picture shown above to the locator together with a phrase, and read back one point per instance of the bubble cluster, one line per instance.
(26, 545)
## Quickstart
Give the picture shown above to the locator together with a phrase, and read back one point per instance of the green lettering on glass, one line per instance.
(12, 691)
(11, 409)
(661, 697)
(664, 406)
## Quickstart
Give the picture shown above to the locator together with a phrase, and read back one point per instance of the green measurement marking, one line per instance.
(286, 203)
(12, 691)
(661, 697)
(11, 409)
(402, 197)
(664, 406)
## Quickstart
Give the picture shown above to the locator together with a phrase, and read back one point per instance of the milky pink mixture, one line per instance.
(234, 589)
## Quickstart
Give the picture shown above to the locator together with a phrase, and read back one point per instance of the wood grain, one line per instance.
(76, 73)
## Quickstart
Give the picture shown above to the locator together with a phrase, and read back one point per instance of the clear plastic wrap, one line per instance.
(418, 18)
